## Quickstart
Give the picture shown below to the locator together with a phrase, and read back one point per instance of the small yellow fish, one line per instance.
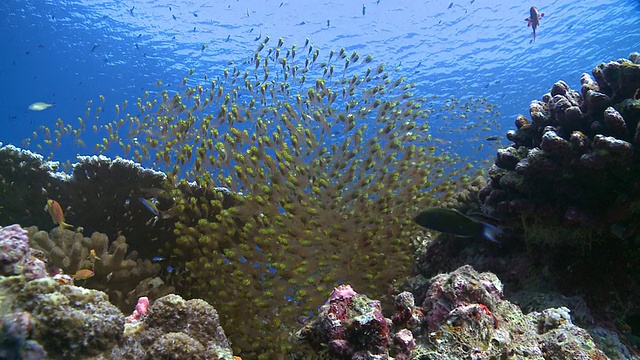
(93, 256)
(39, 106)
(83, 274)
(57, 215)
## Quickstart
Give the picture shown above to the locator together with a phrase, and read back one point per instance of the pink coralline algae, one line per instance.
(350, 325)
(15, 254)
(141, 310)
(459, 293)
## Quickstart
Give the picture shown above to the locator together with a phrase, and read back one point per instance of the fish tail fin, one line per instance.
(64, 225)
(491, 233)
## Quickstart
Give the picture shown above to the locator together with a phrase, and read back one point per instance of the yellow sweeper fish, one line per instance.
(39, 106)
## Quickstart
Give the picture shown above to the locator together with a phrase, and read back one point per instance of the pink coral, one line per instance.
(142, 308)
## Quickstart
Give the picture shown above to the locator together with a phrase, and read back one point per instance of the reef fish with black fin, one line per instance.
(455, 223)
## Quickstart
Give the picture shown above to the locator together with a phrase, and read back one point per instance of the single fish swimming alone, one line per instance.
(57, 215)
(534, 20)
(455, 223)
(83, 274)
(39, 106)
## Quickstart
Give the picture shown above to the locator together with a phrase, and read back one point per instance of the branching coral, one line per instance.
(116, 271)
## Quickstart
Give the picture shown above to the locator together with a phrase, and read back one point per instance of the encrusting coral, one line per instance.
(174, 328)
(16, 256)
(116, 271)
(45, 319)
(462, 316)
(69, 322)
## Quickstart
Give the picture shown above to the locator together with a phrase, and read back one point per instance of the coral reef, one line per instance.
(175, 329)
(463, 316)
(574, 164)
(278, 171)
(16, 256)
(69, 322)
(15, 329)
(44, 319)
(349, 325)
(567, 189)
(99, 194)
(116, 271)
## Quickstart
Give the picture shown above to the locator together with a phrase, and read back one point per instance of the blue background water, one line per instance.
(68, 52)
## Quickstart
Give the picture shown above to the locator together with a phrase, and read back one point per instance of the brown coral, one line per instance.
(119, 273)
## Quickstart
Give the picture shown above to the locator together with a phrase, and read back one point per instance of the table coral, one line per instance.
(98, 194)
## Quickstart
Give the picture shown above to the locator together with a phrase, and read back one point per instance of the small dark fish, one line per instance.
(137, 47)
(300, 23)
(95, 46)
(195, 14)
(450, 5)
(250, 30)
(455, 223)
(494, 138)
(364, 9)
(131, 10)
(228, 37)
(169, 8)
(282, 3)
(328, 23)
(174, 17)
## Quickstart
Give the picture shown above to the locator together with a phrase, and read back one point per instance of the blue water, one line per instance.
(68, 52)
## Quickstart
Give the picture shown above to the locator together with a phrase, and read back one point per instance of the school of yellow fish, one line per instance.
(332, 156)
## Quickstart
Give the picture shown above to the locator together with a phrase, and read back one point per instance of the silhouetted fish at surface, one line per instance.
(455, 223)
